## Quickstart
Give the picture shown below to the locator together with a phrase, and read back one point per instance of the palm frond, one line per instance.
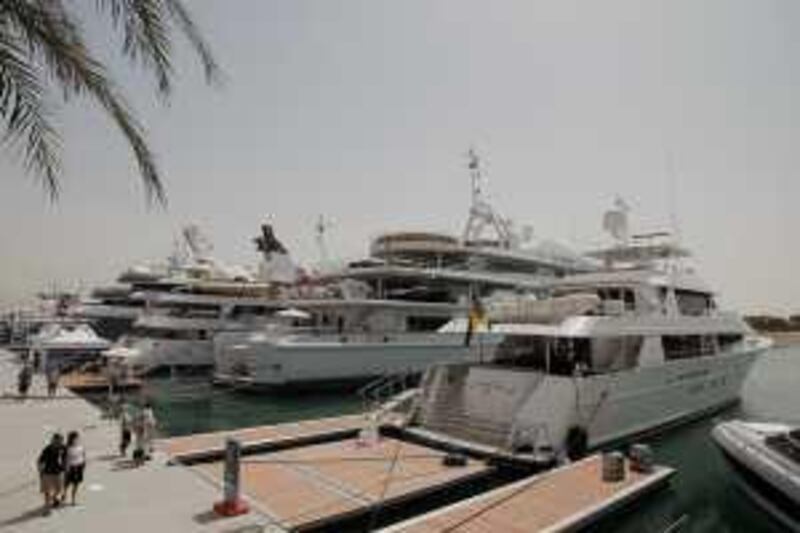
(49, 31)
(42, 43)
(146, 35)
(185, 22)
(25, 113)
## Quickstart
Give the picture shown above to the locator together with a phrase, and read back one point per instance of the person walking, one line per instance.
(24, 380)
(51, 465)
(138, 438)
(149, 424)
(53, 375)
(75, 465)
(125, 428)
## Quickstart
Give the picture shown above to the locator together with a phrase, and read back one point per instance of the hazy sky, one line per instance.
(363, 110)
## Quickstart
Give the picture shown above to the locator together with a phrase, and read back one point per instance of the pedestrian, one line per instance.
(53, 375)
(138, 438)
(51, 464)
(125, 432)
(75, 464)
(149, 423)
(114, 406)
(24, 380)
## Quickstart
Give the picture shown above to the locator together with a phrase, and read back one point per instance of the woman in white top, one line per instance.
(75, 464)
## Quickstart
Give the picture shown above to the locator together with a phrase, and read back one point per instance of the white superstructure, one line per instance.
(605, 355)
(413, 283)
(341, 341)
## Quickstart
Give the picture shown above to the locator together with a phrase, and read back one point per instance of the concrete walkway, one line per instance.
(114, 496)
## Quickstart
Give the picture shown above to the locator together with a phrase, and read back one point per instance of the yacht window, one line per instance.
(248, 310)
(424, 323)
(630, 300)
(526, 351)
(612, 354)
(692, 303)
(725, 340)
(687, 346)
(787, 444)
(555, 355)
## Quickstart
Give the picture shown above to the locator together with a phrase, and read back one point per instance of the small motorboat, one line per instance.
(766, 458)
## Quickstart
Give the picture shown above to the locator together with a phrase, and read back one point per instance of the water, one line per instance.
(703, 495)
(192, 405)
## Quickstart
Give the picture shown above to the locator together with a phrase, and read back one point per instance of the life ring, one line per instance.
(577, 443)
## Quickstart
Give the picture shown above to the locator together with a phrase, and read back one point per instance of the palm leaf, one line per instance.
(182, 18)
(146, 35)
(49, 32)
(41, 41)
(24, 111)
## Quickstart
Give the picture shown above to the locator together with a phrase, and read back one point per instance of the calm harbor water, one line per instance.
(703, 496)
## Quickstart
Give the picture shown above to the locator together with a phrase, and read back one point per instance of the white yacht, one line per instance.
(415, 283)
(337, 342)
(114, 309)
(606, 355)
(766, 459)
(66, 345)
(175, 320)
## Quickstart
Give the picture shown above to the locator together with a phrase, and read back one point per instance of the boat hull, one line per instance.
(149, 356)
(528, 408)
(306, 362)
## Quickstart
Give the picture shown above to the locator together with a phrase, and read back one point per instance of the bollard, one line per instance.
(232, 503)
(642, 458)
(613, 467)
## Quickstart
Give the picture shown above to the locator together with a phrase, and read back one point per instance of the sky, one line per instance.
(362, 111)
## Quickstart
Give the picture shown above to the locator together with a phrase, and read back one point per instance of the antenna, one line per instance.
(320, 228)
(672, 196)
(481, 214)
(474, 165)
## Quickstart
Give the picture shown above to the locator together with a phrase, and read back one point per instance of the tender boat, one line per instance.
(66, 345)
(766, 459)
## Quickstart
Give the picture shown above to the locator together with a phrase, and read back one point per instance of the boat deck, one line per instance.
(201, 446)
(311, 486)
(563, 499)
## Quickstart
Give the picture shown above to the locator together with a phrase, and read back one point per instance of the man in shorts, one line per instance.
(51, 465)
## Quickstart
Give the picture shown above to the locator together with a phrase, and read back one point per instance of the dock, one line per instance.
(205, 446)
(93, 382)
(565, 499)
(317, 486)
(307, 475)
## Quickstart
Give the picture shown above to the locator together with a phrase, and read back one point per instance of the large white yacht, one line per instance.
(174, 326)
(114, 309)
(606, 355)
(415, 283)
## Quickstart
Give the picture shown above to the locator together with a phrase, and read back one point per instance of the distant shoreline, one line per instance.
(783, 338)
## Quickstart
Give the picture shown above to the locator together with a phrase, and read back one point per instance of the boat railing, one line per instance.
(379, 391)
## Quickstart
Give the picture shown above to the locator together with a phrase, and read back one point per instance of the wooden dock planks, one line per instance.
(309, 485)
(200, 443)
(559, 500)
